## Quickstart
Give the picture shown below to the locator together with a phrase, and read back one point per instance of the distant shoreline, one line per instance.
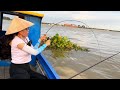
(73, 26)
(51, 24)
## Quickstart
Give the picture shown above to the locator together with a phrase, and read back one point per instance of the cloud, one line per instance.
(99, 19)
(97, 15)
(83, 15)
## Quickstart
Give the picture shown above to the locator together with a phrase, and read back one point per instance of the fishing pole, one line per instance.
(98, 46)
(97, 43)
(76, 39)
(93, 66)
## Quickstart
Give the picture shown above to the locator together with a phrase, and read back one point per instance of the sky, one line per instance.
(94, 19)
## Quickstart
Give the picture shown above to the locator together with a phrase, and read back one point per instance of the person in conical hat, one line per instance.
(17, 25)
(22, 49)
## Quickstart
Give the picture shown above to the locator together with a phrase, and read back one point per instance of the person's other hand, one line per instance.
(47, 42)
(43, 38)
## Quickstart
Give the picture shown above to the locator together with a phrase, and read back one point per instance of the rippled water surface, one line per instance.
(101, 43)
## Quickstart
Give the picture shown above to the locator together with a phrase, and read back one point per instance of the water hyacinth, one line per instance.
(63, 43)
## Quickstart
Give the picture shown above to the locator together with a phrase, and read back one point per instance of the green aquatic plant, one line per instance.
(63, 43)
(57, 53)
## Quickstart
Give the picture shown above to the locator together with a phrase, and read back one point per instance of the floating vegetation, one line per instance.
(63, 43)
(58, 53)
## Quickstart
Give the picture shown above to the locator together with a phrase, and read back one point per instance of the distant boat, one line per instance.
(34, 34)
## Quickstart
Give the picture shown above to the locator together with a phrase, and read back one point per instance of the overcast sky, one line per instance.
(97, 19)
(94, 19)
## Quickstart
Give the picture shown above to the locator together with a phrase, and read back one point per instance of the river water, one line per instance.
(101, 43)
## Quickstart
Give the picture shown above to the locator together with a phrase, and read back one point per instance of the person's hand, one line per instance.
(43, 38)
(47, 42)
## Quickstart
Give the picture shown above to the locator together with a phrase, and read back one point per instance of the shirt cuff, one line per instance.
(44, 45)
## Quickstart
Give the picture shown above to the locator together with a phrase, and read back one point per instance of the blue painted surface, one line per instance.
(4, 63)
(34, 33)
(51, 73)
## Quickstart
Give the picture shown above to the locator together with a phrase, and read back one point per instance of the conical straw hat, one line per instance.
(18, 24)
